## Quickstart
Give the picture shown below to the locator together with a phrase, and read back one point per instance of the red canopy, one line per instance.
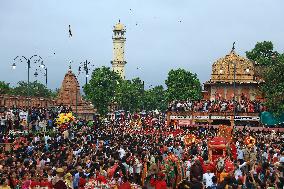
(217, 141)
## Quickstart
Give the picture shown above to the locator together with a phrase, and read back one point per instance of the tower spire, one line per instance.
(118, 62)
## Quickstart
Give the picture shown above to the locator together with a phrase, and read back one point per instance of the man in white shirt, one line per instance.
(137, 170)
(23, 115)
(240, 156)
(282, 158)
(207, 178)
(121, 152)
(238, 171)
(187, 165)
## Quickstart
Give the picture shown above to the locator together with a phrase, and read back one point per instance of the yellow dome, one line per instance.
(119, 26)
(223, 69)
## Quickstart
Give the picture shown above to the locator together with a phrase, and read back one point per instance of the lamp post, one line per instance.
(85, 66)
(33, 59)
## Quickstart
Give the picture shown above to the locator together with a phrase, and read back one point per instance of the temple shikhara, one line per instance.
(70, 96)
(229, 70)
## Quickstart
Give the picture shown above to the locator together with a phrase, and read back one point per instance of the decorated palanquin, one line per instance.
(221, 152)
(218, 146)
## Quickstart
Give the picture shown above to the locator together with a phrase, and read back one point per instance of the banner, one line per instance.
(184, 122)
(221, 117)
(247, 118)
(181, 117)
(201, 117)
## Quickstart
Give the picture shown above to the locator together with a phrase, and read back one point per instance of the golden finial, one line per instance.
(233, 48)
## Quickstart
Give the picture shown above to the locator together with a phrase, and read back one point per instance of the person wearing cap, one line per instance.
(58, 181)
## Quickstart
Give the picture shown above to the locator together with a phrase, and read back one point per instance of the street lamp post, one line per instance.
(35, 59)
(84, 66)
(43, 66)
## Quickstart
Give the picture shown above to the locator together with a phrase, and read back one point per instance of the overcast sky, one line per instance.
(161, 34)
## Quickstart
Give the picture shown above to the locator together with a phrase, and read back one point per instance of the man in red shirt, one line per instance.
(125, 184)
(58, 182)
(160, 183)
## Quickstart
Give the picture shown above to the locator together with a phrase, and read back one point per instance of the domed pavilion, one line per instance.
(233, 72)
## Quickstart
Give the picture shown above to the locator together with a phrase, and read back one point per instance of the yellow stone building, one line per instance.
(118, 62)
(232, 68)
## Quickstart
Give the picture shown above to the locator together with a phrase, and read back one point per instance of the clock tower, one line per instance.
(119, 39)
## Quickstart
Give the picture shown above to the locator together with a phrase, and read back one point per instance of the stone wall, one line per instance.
(21, 101)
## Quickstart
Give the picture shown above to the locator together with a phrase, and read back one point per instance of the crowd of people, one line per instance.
(125, 151)
(243, 105)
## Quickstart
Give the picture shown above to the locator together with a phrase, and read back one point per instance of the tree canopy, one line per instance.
(129, 95)
(273, 88)
(35, 89)
(4, 88)
(263, 53)
(101, 88)
(182, 85)
(271, 70)
(155, 98)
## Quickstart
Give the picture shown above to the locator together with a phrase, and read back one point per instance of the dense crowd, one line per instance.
(38, 118)
(243, 105)
(125, 149)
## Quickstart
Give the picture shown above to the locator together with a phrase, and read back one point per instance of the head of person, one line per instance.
(79, 169)
(60, 172)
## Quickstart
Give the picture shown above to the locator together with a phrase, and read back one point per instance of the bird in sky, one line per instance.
(70, 32)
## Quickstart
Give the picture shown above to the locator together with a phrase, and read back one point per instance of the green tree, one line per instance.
(155, 98)
(4, 87)
(263, 53)
(273, 88)
(54, 93)
(129, 95)
(35, 89)
(182, 84)
(101, 88)
(270, 67)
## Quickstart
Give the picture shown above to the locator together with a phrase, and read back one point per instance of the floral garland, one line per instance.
(64, 119)
(250, 141)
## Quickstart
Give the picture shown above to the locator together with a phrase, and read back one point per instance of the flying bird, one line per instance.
(70, 33)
